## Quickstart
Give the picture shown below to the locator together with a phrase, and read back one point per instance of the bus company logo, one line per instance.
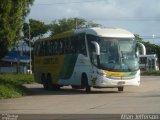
(9, 117)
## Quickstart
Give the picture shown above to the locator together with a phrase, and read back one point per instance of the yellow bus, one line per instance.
(89, 57)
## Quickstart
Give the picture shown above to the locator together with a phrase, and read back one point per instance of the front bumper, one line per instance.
(104, 81)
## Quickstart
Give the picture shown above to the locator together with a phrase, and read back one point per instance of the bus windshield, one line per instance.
(116, 54)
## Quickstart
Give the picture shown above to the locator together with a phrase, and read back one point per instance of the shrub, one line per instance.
(11, 85)
(151, 72)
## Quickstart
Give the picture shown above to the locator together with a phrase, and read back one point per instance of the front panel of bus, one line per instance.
(117, 64)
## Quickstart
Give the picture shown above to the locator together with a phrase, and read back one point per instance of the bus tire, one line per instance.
(44, 82)
(55, 87)
(49, 82)
(84, 83)
(120, 89)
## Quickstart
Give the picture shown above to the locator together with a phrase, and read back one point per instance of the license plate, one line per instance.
(121, 83)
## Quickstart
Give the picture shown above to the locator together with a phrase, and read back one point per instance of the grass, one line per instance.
(11, 85)
(151, 72)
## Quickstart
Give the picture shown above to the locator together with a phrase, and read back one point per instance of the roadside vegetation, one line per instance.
(11, 85)
(151, 72)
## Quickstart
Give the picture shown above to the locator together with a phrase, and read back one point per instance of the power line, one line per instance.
(75, 2)
(128, 19)
(120, 19)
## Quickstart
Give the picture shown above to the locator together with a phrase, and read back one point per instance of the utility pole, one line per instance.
(30, 50)
(76, 23)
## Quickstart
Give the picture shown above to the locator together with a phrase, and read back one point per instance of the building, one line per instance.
(14, 62)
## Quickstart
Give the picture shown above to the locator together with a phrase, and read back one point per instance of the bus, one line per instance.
(148, 62)
(88, 57)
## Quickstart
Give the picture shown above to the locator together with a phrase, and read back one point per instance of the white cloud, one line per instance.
(138, 16)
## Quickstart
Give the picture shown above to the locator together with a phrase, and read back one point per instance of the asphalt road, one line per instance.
(144, 99)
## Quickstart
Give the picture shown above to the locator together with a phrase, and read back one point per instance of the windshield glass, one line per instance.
(116, 54)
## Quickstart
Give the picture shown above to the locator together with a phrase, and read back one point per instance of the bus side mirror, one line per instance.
(96, 47)
(142, 47)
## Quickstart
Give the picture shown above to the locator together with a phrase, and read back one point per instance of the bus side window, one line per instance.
(35, 48)
(68, 47)
(93, 54)
(53, 48)
(92, 50)
(50, 48)
(46, 48)
(57, 47)
(74, 45)
(81, 44)
(41, 49)
(38, 49)
(63, 46)
(60, 47)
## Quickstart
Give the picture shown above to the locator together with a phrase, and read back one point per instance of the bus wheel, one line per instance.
(49, 82)
(84, 83)
(44, 81)
(120, 89)
(55, 87)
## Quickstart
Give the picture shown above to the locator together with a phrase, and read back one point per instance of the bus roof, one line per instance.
(97, 31)
(106, 32)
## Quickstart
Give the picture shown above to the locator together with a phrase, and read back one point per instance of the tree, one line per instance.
(138, 38)
(64, 24)
(12, 14)
(37, 29)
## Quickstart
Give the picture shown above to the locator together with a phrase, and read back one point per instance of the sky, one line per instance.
(140, 17)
